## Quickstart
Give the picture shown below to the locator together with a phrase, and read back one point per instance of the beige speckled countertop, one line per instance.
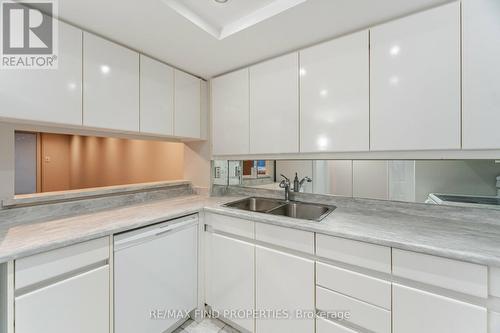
(412, 227)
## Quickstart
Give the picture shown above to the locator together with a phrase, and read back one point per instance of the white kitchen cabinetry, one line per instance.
(156, 270)
(187, 115)
(481, 74)
(111, 85)
(416, 311)
(53, 96)
(415, 82)
(284, 282)
(157, 97)
(274, 106)
(230, 113)
(334, 95)
(79, 304)
(230, 277)
(65, 290)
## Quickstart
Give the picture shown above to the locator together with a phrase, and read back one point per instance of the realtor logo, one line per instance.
(29, 35)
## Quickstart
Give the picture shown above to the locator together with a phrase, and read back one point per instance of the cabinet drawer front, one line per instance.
(44, 266)
(290, 238)
(327, 326)
(359, 286)
(455, 275)
(494, 277)
(356, 253)
(417, 311)
(231, 225)
(364, 315)
(78, 305)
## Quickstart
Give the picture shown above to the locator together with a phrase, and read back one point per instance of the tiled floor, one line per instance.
(206, 326)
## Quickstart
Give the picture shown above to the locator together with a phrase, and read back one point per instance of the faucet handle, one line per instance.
(285, 178)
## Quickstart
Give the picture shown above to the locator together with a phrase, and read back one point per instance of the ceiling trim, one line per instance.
(247, 21)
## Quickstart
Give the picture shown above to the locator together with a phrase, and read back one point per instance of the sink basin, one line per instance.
(262, 205)
(294, 209)
(304, 211)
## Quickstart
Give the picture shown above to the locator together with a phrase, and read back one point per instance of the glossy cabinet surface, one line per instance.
(481, 74)
(111, 85)
(230, 113)
(284, 282)
(79, 304)
(187, 115)
(157, 97)
(48, 95)
(334, 95)
(415, 82)
(156, 274)
(274, 106)
(230, 276)
(436, 314)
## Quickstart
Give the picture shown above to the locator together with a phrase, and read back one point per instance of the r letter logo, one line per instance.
(29, 35)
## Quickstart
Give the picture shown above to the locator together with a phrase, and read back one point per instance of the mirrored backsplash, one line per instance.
(474, 183)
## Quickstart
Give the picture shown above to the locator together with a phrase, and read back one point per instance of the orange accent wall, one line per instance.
(78, 162)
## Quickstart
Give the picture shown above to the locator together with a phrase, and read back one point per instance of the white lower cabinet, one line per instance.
(156, 273)
(283, 282)
(327, 326)
(230, 278)
(417, 311)
(79, 304)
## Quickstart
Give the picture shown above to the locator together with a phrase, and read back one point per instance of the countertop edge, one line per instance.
(303, 225)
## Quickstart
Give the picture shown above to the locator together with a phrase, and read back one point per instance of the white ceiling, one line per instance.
(225, 19)
(155, 28)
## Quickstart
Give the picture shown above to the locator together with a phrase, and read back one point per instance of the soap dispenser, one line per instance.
(296, 183)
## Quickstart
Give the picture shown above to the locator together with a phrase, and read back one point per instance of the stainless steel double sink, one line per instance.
(295, 209)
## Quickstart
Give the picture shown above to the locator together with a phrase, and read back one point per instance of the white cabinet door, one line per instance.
(79, 304)
(334, 95)
(157, 97)
(187, 115)
(111, 85)
(230, 113)
(284, 283)
(481, 74)
(416, 311)
(415, 81)
(274, 106)
(53, 96)
(230, 277)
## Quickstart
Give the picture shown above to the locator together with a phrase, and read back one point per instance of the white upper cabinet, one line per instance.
(230, 113)
(481, 74)
(187, 116)
(415, 82)
(274, 106)
(111, 85)
(334, 95)
(54, 95)
(157, 97)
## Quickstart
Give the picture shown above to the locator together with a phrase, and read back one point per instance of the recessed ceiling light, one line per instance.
(221, 1)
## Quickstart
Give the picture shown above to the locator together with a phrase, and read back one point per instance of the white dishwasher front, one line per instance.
(155, 277)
